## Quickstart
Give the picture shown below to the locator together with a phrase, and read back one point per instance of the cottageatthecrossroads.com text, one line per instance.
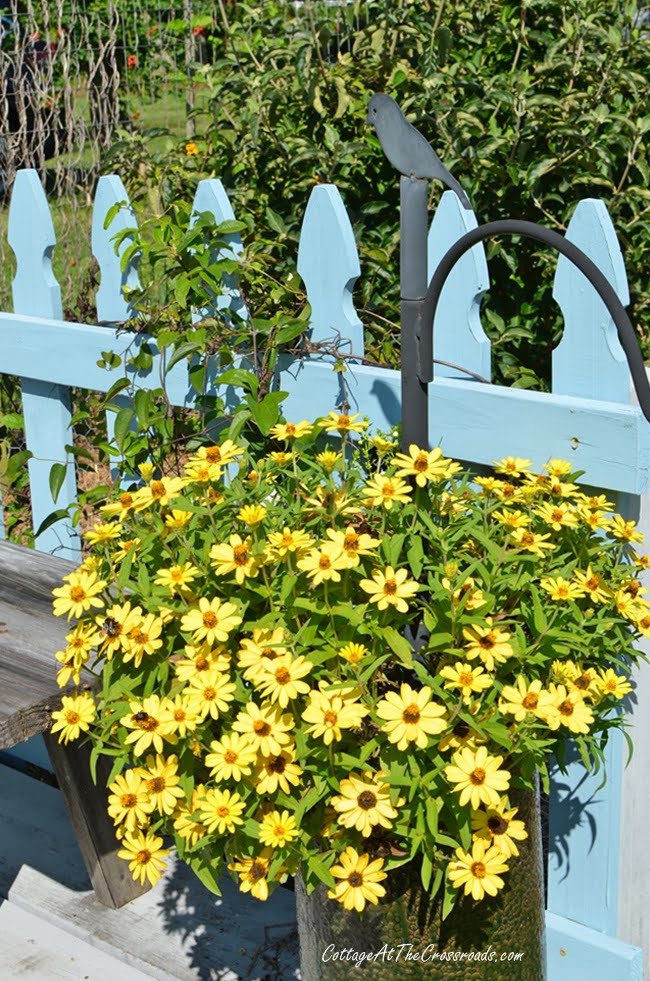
(409, 952)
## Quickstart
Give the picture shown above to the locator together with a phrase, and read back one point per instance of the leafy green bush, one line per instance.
(533, 105)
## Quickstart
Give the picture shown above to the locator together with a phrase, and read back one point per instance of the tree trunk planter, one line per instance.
(511, 922)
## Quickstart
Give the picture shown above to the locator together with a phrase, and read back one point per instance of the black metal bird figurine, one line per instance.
(406, 148)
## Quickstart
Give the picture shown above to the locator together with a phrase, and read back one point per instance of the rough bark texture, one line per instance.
(512, 921)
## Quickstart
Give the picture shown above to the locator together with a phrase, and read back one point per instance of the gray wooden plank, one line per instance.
(39, 951)
(178, 930)
(29, 637)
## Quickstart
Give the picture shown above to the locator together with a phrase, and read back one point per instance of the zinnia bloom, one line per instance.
(477, 777)
(145, 855)
(277, 829)
(411, 716)
(364, 803)
(478, 871)
(76, 715)
(212, 622)
(390, 588)
(360, 880)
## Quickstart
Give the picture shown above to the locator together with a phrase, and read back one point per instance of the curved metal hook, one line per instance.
(546, 236)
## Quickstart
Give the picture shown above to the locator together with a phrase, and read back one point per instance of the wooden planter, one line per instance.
(511, 922)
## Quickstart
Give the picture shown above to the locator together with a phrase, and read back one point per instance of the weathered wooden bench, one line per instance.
(29, 637)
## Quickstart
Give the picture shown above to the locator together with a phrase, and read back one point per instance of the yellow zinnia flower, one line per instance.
(386, 491)
(231, 757)
(183, 716)
(210, 693)
(265, 647)
(610, 683)
(220, 811)
(478, 871)
(477, 777)
(592, 584)
(143, 638)
(252, 514)
(237, 557)
(497, 826)
(128, 801)
(225, 453)
(390, 588)
(360, 880)
(424, 465)
(161, 781)
(353, 544)
(323, 563)
(527, 698)
(76, 715)
(513, 466)
(287, 541)
(363, 803)
(150, 723)
(343, 423)
(212, 622)
(106, 532)
(489, 643)
(328, 459)
(80, 593)
(331, 711)
(253, 873)
(411, 716)
(624, 530)
(186, 824)
(467, 679)
(177, 577)
(561, 590)
(266, 726)
(531, 542)
(145, 855)
(288, 431)
(280, 680)
(353, 653)
(573, 711)
(160, 491)
(277, 771)
(277, 829)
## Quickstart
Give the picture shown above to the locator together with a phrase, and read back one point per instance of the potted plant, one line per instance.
(324, 658)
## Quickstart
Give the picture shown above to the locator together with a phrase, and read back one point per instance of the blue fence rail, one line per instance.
(587, 419)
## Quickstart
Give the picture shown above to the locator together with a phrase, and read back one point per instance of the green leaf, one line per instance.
(318, 867)
(240, 378)
(398, 644)
(267, 412)
(204, 873)
(51, 520)
(182, 352)
(123, 421)
(58, 472)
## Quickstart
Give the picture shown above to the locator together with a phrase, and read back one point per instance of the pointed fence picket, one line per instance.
(587, 419)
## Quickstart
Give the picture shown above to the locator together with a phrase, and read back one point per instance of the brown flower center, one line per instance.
(527, 538)
(466, 678)
(497, 825)
(477, 776)
(566, 707)
(324, 562)
(261, 728)
(366, 800)
(126, 500)
(201, 664)
(209, 619)
(257, 871)
(390, 587)
(179, 715)
(388, 490)
(283, 676)
(143, 857)
(213, 454)
(223, 811)
(478, 870)
(530, 701)
(157, 489)
(72, 717)
(229, 756)
(355, 879)
(351, 542)
(157, 785)
(592, 583)
(421, 463)
(330, 718)
(209, 694)
(276, 764)
(128, 800)
(77, 593)
(270, 653)
(411, 714)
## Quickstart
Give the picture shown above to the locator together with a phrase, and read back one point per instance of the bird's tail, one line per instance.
(453, 185)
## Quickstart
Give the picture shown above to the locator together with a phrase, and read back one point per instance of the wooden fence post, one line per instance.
(46, 407)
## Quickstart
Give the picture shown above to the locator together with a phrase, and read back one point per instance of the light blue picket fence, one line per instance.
(588, 419)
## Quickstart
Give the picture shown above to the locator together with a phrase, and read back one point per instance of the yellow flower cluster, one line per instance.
(259, 692)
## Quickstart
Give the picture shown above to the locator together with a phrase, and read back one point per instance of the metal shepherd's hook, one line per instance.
(410, 153)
